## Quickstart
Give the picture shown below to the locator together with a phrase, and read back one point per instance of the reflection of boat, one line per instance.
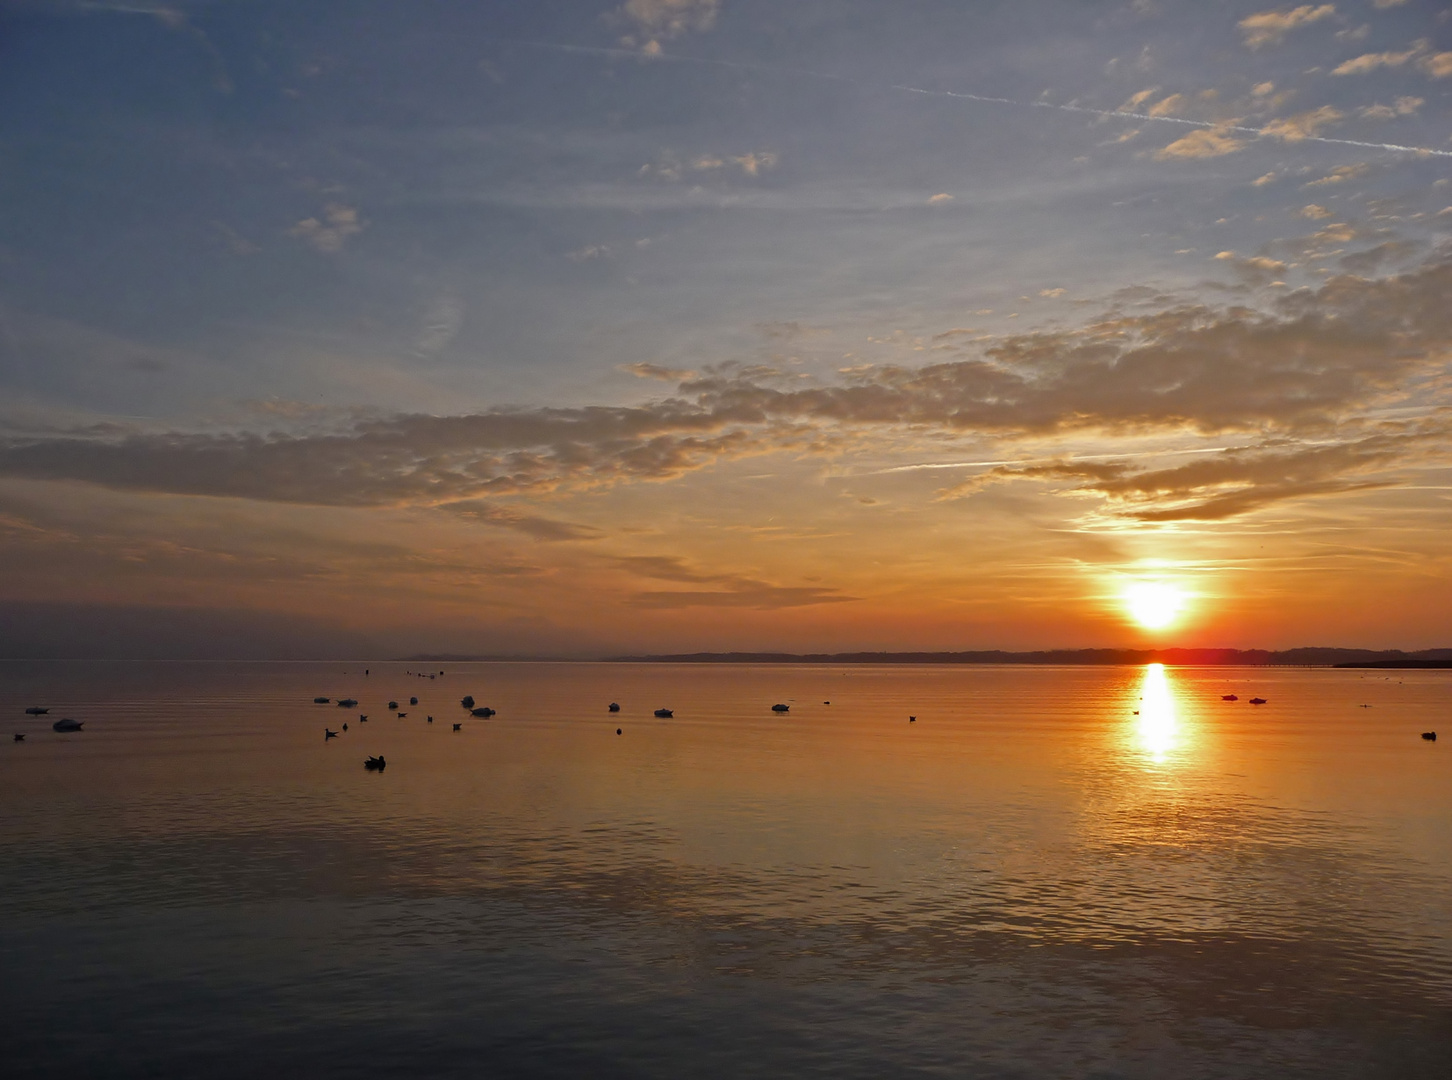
(1230, 697)
(67, 725)
(36, 710)
(347, 703)
(781, 708)
(664, 714)
(1257, 701)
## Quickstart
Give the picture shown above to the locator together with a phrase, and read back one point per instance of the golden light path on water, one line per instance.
(1158, 728)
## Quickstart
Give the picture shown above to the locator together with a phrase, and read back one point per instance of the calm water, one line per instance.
(1029, 881)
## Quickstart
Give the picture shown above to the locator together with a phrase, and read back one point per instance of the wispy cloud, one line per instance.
(1269, 27)
(332, 231)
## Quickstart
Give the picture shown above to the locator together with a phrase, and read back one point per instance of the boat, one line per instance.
(347, 703)
(1257, 701)
(36, 710)
(67, 725)
(781, 708)
(664, 714)
(1230, 697)
(483, 710)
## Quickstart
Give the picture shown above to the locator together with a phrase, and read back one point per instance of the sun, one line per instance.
(1154, 604)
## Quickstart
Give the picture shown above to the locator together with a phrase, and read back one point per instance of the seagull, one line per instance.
(19, 737)
(329, 733)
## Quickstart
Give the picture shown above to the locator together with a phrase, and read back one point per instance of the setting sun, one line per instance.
(1154, 604)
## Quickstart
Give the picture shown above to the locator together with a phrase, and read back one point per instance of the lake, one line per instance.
(1051, 872)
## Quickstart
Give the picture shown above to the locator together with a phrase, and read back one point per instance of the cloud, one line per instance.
(1269, 27)
(752, 163)
(1170, 106)
(588, 253)
(940, 198)
(331, 233)
(1268, 178)
(1303, 125)
(655, 20)
(642, 370)
(1305, 366)
(541, 528)
(1203, 143)
(729, 590)
(1404, 106)
(1314, 212)
(1369, 62)
(1340, 175)
(1232, 482)
(1438, 65)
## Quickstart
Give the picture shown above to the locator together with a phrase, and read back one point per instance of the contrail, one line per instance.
(1120, 114)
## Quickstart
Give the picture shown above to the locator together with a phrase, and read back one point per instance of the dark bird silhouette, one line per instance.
(665, 714)
(347, 703)
(617, 731)
(393, 704)
(362, 718)
(781, 708)
(375, 763)
(345, 727)
(402, 714)
(329, 733)
(67, 725)
(431, 719)
(458, 727)
(413, 701)
(19, 737)
(320, 701)
(615, 706)
(912, 719)
(1257, 701)
(1230, 697)
(484, 711)
(1430, 736)
(467, 701)
(36, 710)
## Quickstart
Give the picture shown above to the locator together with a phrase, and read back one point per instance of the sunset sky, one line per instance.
(579, 328)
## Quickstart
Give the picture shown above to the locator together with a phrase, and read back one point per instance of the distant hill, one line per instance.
(1304, 657)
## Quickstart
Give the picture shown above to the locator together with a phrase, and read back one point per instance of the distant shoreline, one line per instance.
(1304, 657)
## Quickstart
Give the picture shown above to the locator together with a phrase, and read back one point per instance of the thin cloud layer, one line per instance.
(1313, 360)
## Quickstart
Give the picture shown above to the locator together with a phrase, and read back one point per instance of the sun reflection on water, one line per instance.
(1158, 728)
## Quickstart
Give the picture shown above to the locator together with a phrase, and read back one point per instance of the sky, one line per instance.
(572, 328)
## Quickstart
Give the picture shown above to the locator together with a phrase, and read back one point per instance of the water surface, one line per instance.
(1051, 872)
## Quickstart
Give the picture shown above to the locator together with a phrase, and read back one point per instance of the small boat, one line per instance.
(393, 704)
(664, 714)
(67, 725)
(1257, 701)
(347, 703)
(375, 763)
(1430, 736)
(781, 708)
(483, 710)
(321, 700)
(615, 706)
(329, 733)
(36, 710)
(413, 701)
(467, 701)
(1230, 697)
